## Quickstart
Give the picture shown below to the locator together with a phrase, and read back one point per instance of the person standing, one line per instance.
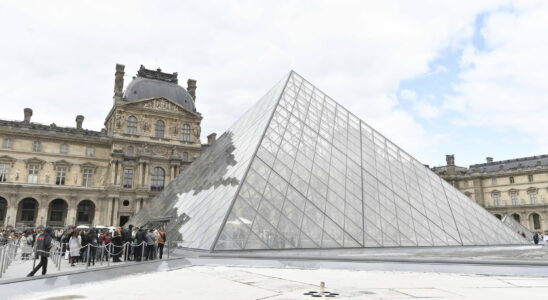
(140, 237)
(127, 239)
(151, 242)
(26, 245)
(117, 246)
(43, 245)
(161, 242)
(536, 238)
(75, 243)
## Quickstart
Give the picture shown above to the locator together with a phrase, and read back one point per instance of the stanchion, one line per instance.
(102, 254)
(143, 251)
(1, 260)
(108, 254)
(167, 244)
(88, 255)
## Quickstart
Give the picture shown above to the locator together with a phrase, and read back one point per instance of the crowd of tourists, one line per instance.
(86, 246)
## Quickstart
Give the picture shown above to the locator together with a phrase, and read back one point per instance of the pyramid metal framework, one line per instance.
(298, 170)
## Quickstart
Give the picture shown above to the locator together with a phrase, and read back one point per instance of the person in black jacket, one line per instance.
(140, 240)
(43, 245)
(127, 239)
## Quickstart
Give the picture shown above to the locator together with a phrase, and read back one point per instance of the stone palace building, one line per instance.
(58, 176)
(516, 187)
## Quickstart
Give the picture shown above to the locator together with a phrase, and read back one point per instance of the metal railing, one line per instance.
(101, 253)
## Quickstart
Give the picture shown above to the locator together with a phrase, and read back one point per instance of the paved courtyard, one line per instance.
(226, 282)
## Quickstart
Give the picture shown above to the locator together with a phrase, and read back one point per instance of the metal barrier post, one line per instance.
(167, 244)
(102, 254)
(88, 255)
(143, 251)
(108, 254)
(1, 260)
(124, 251)
(60, 256)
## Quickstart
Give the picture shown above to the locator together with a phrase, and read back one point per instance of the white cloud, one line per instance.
(59, 56)
(506, 86)
(406, 94)
(426, 110)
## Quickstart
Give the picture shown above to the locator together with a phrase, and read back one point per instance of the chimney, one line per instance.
(191, 88)
(211, 138)
(489, 159)
(118, 82)
(450, 159)
(79, 121)
(28, 114)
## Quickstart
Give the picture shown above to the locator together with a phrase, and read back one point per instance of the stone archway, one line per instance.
(498, 216)
(516, 217)
(3, 210)
(27, 212)
(535, 222)
(85, 212)
(57, 213)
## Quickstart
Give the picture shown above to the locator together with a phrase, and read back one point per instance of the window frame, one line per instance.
(64, 148)
(36, 146)
(7, 143)
(128, 178)
(157, 180)
(61, 175)
(87, 177)
(185, 133)
(4, 171)
(132, 125)
(33, 170)
(159, 129)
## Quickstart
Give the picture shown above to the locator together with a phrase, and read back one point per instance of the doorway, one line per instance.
(123, 220)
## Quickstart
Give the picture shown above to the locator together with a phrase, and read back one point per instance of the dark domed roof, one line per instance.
(152, 84)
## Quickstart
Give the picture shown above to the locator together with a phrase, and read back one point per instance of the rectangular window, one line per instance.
(466, 183)
(64, 148)
(128, 178)
(185, 156)
(36, 146)
(4, 172)
(33, 174)
(90, 151)
(512, 180)
(530, 177)
(61, 176)
(533, 197)
(6, 144)
(496, 199)
(514, 197)
(493, 181)
(86, 178)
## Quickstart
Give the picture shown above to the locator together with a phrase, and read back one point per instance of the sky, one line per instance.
(468, 78)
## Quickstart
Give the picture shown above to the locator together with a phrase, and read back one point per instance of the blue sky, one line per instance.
(436, 77)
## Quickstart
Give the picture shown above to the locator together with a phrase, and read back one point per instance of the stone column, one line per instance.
(139, 175)
(145, 182)
(116, 205)
(120, 172)
(171, 173)
(112, 172)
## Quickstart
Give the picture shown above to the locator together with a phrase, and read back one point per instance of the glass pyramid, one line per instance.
(298, 170)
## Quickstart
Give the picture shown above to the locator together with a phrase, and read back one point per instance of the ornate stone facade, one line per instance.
(60, 176)
(516, 187)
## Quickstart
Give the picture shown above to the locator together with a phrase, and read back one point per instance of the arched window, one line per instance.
(536, 221)
(185, 133)
(498, 216)
(85, 212)
(160, 128)
(132, 125)
(516, 217)
(158, 179)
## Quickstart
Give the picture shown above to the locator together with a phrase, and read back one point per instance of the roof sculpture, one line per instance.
(298, 170)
